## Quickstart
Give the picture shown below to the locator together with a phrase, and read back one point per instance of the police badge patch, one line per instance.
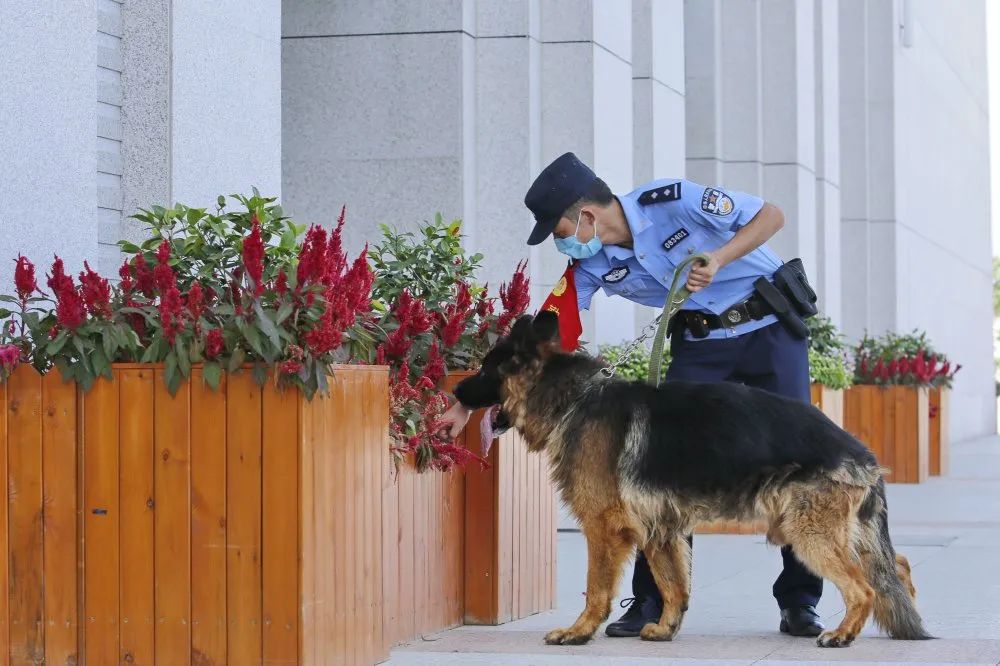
(716, 202)
(616, 274)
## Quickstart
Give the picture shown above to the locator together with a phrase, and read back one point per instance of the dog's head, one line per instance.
(531, 340)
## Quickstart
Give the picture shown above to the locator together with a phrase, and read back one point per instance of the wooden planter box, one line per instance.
(938, 446)
(893, 422)
(232, 526)
(830, 402)
(468, 548)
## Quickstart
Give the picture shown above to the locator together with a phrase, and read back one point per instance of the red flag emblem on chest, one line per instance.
(563, 302)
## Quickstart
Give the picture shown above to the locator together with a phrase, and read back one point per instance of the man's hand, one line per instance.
(454, 420)
(701, 274)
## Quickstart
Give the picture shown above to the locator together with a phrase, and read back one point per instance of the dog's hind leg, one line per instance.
(607, 550)
(670, 564)
(821, 538)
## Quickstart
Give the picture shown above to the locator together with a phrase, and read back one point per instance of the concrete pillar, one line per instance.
(48, 172)
(788, 121)
(225, 98)
(659, 143)
(828, 196)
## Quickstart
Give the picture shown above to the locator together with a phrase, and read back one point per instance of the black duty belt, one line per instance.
(700, 323)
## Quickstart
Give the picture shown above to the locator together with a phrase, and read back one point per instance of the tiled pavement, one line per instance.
(948, 527)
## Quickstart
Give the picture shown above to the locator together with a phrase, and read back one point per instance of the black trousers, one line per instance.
(769, 358)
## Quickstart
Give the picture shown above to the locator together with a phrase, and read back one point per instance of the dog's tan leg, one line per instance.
(607, 550)
(670, 564)
(829, 555)
(903, 571)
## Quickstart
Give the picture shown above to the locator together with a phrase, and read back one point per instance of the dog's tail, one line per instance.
(887, 572)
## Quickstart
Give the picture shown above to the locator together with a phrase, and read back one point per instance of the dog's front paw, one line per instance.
(834, 639)
(654, 632)
(566, 637)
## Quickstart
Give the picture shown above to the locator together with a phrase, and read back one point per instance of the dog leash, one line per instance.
(676, 297)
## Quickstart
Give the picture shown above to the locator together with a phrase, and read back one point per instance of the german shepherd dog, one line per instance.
(641, 466)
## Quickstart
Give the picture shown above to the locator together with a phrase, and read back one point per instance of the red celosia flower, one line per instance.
(290, 367)
(214, 343)
(70, 308)
(323, 337)
(24, 279)
(281, 284)
(904, 366)
(163, 274)
(253, 258)
(514, 296)
(10, 356)
(312, 258)
(453, 328)
(196, 305)
(295, 352)
(171, 317)
(336, 260)
(96, 292)
(125, 273)
(434, 368)
(484, 304)
(380, 355)
(144, 277)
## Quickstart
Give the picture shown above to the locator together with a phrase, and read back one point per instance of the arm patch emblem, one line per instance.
(716, 202)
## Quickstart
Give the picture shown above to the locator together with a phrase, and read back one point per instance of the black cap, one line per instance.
(558, 186)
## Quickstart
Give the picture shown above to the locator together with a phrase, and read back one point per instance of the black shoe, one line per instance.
(641, 611)
(801, 621)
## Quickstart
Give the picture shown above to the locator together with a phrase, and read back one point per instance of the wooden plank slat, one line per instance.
(4, 544)
(243, 523)
(209, 625)
(24, 460)
(172, 530)
(309, 637)
(101, 522)
(137, 535)
(59, 541)
(280, 526)
(390, 547)
(378, 404)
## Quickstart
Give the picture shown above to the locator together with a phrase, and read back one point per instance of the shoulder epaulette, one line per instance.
(671, 192)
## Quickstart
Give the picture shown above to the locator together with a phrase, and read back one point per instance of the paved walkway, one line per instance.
(949, 528)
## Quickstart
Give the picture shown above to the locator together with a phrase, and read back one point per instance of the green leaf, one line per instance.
(183, 360)
(57, 343)
(8, 299)
(268, 327)
(212, 373)
(5, 313)
(260, 373)
(236, 360)
(252, 337)
(129, 248)
(170, 368)
(284, 312)
(221, 201)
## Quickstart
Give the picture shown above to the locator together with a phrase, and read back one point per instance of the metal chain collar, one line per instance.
(630, 349)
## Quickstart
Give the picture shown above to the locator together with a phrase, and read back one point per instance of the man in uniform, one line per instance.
(629, 245)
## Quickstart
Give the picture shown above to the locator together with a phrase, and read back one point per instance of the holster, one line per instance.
(783, 310)
(791, 279)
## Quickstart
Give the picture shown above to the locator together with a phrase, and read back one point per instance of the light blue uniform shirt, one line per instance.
(671, 219)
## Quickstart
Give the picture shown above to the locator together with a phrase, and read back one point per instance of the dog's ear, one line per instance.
(520, 332)
(546, 326)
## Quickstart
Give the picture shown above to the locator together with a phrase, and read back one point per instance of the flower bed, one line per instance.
(250, 301)
(889, 407)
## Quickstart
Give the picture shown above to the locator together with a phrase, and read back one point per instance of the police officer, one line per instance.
(629, 245)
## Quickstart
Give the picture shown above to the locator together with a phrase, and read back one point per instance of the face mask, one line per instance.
(572, 247)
